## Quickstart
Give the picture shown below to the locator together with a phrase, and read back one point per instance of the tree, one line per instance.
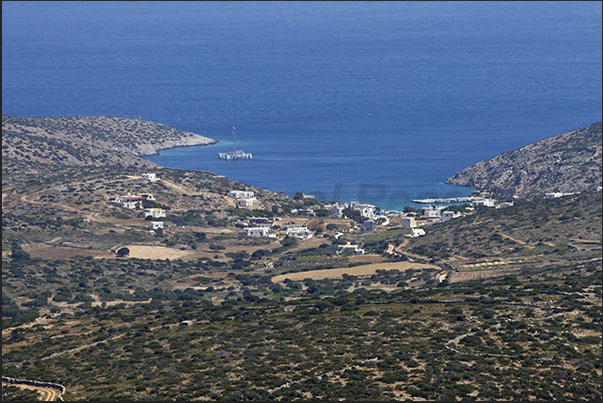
(18, 254)
(123, 252)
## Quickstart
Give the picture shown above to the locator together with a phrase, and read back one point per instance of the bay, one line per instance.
(374, 101)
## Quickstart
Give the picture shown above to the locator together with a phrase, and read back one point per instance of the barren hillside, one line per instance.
(570, 162)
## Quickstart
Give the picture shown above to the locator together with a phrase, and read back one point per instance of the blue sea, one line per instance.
(372, 101)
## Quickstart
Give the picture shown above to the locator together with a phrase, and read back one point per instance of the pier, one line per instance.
(447, 200)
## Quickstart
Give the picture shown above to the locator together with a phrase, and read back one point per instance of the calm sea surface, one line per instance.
(374, 101)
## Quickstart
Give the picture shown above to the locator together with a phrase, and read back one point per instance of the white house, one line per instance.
(449, 215)
(408, 222)
(132, 201)
(366, 210)
(343, 248)
(300, 232)
(555, 195)
(336, 209)
(415, 232)
(153, 212)
(246, 203)
(156, 224)
(261, 222)
(367, 226)
(483, 202)
(149, 177)
(432, 212)
(241, 194)
(255, 231)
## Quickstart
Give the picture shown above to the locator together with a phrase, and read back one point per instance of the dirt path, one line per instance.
(47, 394)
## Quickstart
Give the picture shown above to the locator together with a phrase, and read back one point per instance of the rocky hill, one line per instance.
(88, 140)
(569, 162)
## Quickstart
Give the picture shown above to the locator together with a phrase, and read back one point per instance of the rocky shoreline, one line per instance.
(569, 163)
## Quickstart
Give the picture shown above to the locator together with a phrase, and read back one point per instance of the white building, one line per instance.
(555, 195)
(241, 194)
(432, 212)
(366, 210)
(408, 222)
(449, 215)
(256, 231)
(354, 248)
(299, 232)
(149, 177)
(336, 209)
(132, 201)
(367, 226)
(261, 222)
(247, 203)
(483, 202)
(156, 224)
(415, 232)
(153, 212)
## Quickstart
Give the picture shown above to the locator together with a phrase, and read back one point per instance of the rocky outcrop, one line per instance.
(89, 140)
(568, 163)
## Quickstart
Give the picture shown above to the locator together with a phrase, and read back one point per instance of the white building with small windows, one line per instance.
(299, 232)
(449, 215)
(156, 224)
(416, 232)
(241, 194)
(256, 231)
(153, 212)
(349, 249)
(149, 177)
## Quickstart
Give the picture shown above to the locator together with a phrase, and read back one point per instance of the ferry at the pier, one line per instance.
(236, 154)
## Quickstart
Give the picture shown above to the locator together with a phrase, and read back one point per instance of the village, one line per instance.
(366, 218)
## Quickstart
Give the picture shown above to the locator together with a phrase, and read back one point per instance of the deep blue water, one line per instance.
(377, 101)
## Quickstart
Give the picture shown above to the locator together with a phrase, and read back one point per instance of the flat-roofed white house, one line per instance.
(415, 232)
(367, 226)
(432, 212)
(408, 222)
(132, 201)
(555, 195)
(262, 222)
(246, 203)
(241, 194)
(449, 215)
(352, 248)
(336, 209)
(256, 231)
(153, 212)
(483, 202)
(156, 224)
(300, 232)
(149, 177)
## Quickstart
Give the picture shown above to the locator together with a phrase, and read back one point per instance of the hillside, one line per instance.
(500, 304)
(567, 163)
(87, 141)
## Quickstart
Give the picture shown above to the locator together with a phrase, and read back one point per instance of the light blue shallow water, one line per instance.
(377, 101)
